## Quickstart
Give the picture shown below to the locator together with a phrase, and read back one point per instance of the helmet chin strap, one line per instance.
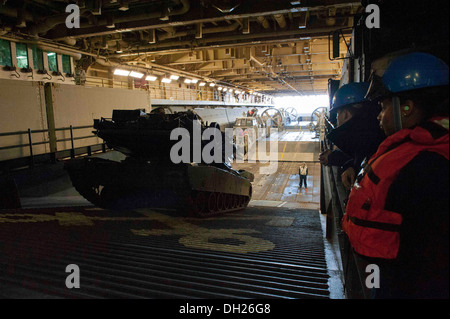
(397, 113)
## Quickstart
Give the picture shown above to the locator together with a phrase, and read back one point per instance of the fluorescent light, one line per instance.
(151, 78)
(166, 80)
(194, 81)
(121, 72)
(225, 89)
(187, 81)
(174, 77)
(137, 75)
(124, 5)
(220, 88)
(212, 85)
(202, 84)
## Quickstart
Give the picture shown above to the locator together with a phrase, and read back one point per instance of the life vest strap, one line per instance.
(376, 225)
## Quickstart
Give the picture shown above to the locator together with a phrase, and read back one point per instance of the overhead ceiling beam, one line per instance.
(152, 20)
(319, 32)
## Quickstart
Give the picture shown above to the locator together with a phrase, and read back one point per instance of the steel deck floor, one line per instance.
(256, 253)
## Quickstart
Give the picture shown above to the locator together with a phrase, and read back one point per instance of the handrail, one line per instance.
(333, 197)
(67, 152)
(44, 131)
(162, 91)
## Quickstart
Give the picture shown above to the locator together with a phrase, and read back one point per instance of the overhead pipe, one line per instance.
(263, 21)
(51, 22)
(186, 6)
(52, 47)
(70, 41)
(280, 19)
(5, 30)
(228, 28)
(107, 63)
(90, 33)
(205, 41)
(13, 13)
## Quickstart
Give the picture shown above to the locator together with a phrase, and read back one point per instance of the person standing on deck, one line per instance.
(303, 172)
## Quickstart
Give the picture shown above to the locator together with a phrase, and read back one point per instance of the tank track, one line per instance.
(92, 191)
(195, 203)
(207, 204)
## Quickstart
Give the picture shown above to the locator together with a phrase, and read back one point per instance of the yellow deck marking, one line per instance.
(194, 236)
(284, 149)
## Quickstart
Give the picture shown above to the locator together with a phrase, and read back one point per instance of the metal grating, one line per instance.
(155, 255)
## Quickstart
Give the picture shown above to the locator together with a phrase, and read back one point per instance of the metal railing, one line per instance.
(333, 198)
(46, 157)
(171, 92)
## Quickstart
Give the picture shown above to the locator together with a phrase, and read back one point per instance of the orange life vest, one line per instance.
(372, 230)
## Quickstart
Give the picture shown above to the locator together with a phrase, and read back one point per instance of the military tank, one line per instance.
(148, 177)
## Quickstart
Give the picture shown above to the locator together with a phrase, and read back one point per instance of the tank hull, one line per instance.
(195, 190)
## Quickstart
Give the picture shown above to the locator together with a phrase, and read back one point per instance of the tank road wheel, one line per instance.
(221, 201)
(199, 204)
(229, 202)
(241, 201)
(97, 190)
(212, 203)
(94, 194)
(235, 201)
(90, 190)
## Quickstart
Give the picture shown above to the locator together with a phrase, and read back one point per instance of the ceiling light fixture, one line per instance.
(166, 80)
(137, 75)
(121, 72)
(151, 78)
(124, 5)
(110, 22)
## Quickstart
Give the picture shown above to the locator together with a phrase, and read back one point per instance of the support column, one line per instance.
(48, 89)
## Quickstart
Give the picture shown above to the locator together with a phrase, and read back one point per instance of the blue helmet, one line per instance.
(408, 72)
(348, 94)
